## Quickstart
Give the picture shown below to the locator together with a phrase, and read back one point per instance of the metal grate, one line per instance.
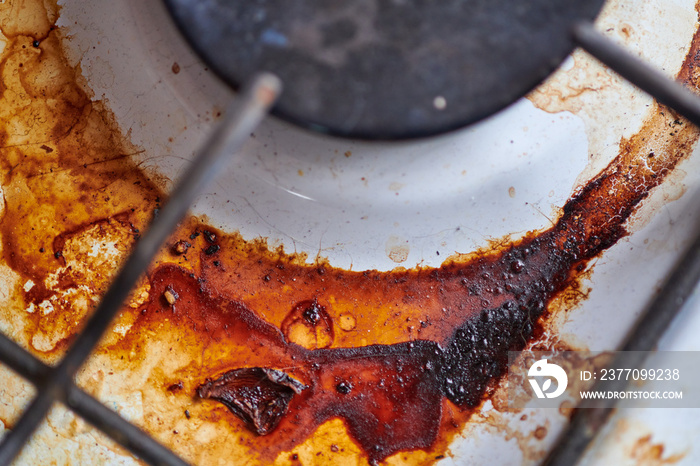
(56, 383)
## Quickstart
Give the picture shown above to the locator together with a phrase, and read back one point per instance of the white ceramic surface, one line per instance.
(354, 202)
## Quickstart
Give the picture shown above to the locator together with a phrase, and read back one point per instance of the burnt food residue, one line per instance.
(400, 358)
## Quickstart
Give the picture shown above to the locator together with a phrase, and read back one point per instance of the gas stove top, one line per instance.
(376, 205)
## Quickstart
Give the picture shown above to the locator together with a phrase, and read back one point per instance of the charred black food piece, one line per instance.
(258, 396)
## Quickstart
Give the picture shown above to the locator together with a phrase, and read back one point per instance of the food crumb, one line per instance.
(181, 247)
(170, 295)
(176, 386)
(209, 236)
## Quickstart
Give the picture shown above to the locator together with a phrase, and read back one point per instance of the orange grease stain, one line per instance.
(424, 348)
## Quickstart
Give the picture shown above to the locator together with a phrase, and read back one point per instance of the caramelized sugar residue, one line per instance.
(398, 360)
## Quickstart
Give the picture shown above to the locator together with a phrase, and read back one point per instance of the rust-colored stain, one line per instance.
(646, 453)
(383, 364)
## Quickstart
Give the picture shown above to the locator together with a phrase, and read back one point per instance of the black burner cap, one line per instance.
(386, 69)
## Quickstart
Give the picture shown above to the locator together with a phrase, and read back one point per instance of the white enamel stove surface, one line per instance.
(381, 205)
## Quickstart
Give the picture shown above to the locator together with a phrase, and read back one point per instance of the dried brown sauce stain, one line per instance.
(402, 358)
(646, 453)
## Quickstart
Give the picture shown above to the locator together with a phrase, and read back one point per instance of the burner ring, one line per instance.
(374, 69)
